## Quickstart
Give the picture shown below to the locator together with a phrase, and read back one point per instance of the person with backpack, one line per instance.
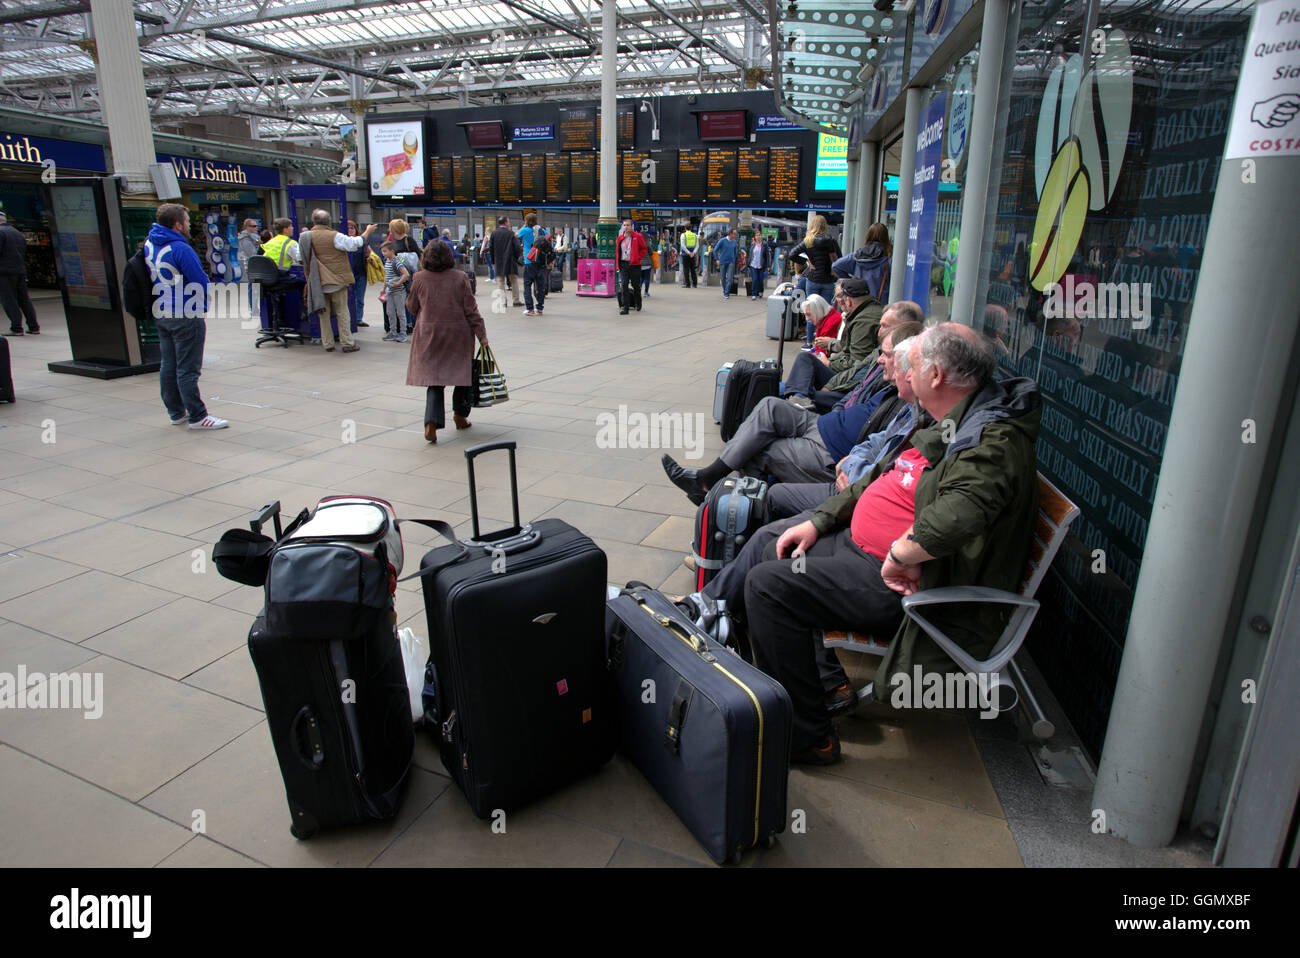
(870, 263)
(537, 268)
(180, 288)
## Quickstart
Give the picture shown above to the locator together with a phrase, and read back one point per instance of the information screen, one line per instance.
(485, 179)
(440, 179)
(577, 128)
(663, 188)
(508, 179)
(691, 168)
(722, 176)
(80, 246)
(630, 187)
(557, 178)
(626, 130)
(582, 182)
(783, 174)
(722, 125)
(533, 178)
(462, 179)
(751, 175)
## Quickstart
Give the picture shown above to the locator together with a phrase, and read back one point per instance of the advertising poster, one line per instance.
(832, 163)
(925, 201)
(80, 247)
(395, 158)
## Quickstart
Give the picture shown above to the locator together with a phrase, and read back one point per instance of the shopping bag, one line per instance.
(489, 383)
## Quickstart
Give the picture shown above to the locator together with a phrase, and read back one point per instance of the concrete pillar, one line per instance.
(865, 194)
(1241, 339)
(607, 226)
(916, 97)
(121, 93)
(979, 159)
(848, 235)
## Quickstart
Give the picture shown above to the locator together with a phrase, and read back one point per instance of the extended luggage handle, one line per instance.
(519, 536)
(305, 735)
(271, 513)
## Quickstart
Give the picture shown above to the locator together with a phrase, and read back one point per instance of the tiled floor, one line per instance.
(108, 514)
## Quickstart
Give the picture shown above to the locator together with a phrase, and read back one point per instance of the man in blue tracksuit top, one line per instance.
(180, 290)
(724, 255)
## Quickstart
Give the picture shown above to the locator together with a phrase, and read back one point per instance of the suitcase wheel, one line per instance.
(302, 831)
(770, 841)
(735, 857)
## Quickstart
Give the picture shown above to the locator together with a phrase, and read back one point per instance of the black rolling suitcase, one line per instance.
(522, 700)
(713, 737)
(730, 514)
(556, 281)
(330, 665)
(747, 384)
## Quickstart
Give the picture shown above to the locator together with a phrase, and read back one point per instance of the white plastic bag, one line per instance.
(415, 654)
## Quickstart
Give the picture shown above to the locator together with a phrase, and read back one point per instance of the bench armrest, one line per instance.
(1008, 643)
(966, 593)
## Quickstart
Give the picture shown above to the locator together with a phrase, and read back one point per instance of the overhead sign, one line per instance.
(216, 197)
(39, 151)
(440, 211)
(925, 199)
(767, 122)
(194, 170)
(543, 132)
(1266, 119)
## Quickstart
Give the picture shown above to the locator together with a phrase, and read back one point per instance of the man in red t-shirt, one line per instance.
(629, 250)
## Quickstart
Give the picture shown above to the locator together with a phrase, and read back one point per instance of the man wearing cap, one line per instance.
(812, 371)
(13, 280)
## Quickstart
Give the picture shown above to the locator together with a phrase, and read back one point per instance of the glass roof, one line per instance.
(296, 67)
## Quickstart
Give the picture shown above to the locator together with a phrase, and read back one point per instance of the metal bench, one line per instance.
(1055, 513)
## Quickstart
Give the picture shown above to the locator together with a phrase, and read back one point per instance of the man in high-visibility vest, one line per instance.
(690, 248)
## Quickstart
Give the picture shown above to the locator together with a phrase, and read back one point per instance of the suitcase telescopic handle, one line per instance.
(470, 455)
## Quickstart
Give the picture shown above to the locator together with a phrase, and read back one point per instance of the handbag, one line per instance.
(654, 259)
(488, 382)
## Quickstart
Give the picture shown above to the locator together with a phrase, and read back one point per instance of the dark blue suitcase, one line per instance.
(712, 733)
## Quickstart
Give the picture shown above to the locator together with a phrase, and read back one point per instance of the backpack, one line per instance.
(545, 252)
(137, 287)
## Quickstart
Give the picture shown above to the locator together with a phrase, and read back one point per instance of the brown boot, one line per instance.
(430, 432)
(461, 422)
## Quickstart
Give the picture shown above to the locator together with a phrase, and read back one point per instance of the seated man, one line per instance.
(973, 476)
(862, 318)
(905, 311)
(787, 441)
(790, 503)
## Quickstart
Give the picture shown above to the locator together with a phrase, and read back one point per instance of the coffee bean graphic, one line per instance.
(1101, 117)
(1062, 209)
(1054, 115)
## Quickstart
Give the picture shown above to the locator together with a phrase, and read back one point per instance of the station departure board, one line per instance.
(721, 176)
(582, 177)
(532, 189)
(440, 179)
(783, 175)
(663, 188)
(630, 187)
(508, 179)
(626, 130)
(577, 128)
(557, 178)
(462, 179)
(692, 166)
(485, 179)
(751, 175)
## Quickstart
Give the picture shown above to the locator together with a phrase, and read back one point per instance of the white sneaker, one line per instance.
(210, 422)
(180, 421)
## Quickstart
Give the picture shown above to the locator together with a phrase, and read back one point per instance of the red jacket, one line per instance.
(638, 250)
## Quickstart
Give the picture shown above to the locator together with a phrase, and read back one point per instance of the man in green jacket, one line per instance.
(860, 339)
(971, 523)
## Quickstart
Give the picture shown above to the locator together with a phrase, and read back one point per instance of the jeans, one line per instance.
(726, 272)
(180, 342)
(647, 274)
(825, 290)
(537, 283)
(757, 277)
(357, 297)
(434, 404)
(807, 375)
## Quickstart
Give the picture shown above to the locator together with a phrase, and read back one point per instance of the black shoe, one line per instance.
(825, 753)
(843, 699)
(621, 312)
(14, 332)
(361, 324)
(686, 480)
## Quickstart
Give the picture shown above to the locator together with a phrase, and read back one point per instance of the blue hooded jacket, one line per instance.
(871, 263)
(181, 289)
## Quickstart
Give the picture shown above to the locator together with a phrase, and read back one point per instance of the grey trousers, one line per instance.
(780, 439)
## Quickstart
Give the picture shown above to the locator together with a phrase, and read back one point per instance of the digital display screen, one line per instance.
(533, 178)
(80, 244)
(582, 177)
(832, 164)
(557, 178)
(783, 174)
(577, 128)
(508, 179)
(751, 175)
(722, 125)
(691, 168)
(485, 179)
(721, 176)
(486, 135)
(630, 187)
(663, 187)
(462, 179)
(440, 179)
(626, 129)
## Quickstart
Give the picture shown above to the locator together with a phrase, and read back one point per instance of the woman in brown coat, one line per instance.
(442, 342)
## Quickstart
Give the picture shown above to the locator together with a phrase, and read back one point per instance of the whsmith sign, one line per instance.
(37, 151)
(194, 170)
